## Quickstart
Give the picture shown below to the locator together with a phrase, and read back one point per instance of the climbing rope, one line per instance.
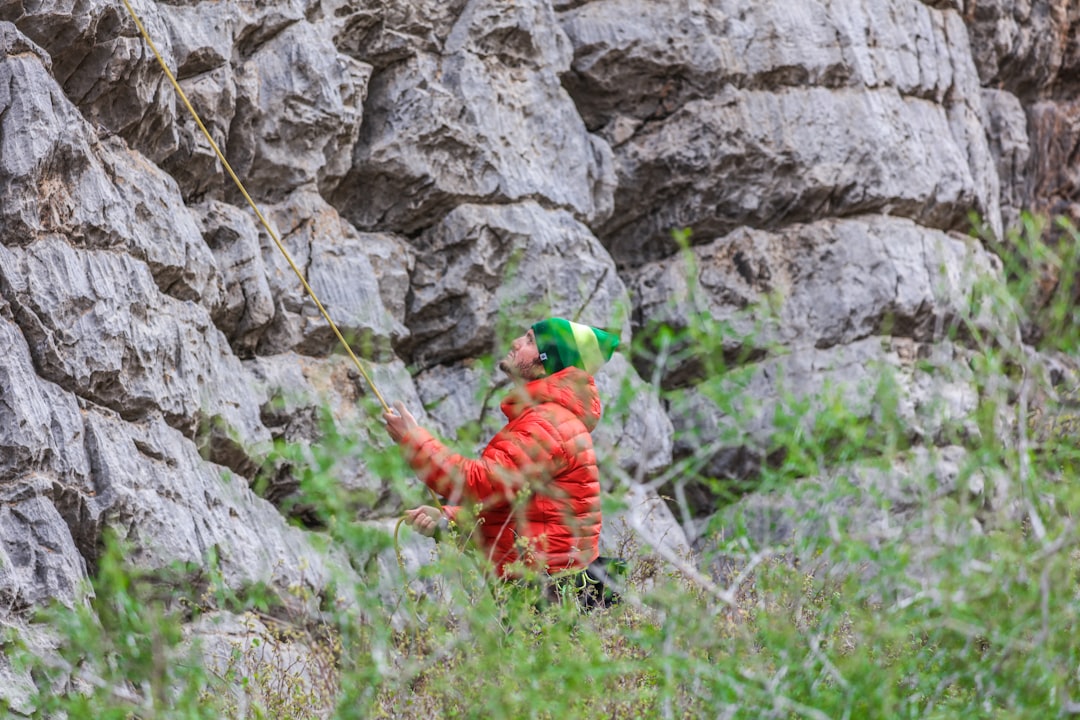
(258, 213)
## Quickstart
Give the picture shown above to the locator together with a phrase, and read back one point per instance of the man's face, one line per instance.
(523, 361)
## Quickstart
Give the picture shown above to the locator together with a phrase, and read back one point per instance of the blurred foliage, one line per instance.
(966, 608)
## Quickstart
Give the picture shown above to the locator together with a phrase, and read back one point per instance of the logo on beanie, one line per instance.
(564, 343)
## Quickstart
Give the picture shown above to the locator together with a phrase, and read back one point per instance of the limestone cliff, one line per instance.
(443, 170)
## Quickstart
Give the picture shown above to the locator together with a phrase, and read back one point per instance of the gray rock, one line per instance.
(523, 34)
(173, 507)
(907, 505)
(277, 97)
(39, 561)
(148, 217)
(289, 403)
(821, 284)
(195, 165)
(92, 41)
(569, 4)
(17, 686)
(396, 383)
(42, 443)
(464, 127)
(1009, 143)
(1054, 129)
(259, 24)
(261, 79)
(645, 61)
(37, 123)
(41, 427)
(487, 272)
(731, 423)
(327, 410)
(383, 33)
(869, 78)
(298, 112)
(247, 305)
(15, 44)
(787, 157)
(1024, 46)
(634, 431)
(97, 326)
(968, 122)
(644, 526)
(358, 277)
(463, 401)
(200, 35)
(96, 193)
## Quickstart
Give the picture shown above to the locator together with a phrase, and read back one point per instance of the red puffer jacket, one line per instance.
(536, 483)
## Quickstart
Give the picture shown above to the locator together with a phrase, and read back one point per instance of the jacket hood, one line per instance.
(572, 388)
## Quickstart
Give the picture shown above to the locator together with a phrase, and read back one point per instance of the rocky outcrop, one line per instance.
(785, 105)
(464, 124)
(340, 265)
(98, 61)
(912, 504)
(1029, 50)
(818, 285)
(733, 424)
(1055, 139)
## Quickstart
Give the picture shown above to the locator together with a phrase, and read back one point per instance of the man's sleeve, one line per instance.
(510, 461)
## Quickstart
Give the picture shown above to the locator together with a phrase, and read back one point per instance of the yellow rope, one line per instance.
(244, 192)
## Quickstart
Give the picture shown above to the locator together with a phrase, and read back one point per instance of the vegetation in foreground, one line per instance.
(967, 608)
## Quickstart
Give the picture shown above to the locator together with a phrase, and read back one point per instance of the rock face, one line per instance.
(786, 104)
(914, 503)
(462, 124)
(818, 285)
(1029, 51)
(443, 174)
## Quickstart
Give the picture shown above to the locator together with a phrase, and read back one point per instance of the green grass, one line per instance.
(968, 610)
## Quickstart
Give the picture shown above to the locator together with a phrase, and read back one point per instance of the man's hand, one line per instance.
(399, 421)
(424, 519)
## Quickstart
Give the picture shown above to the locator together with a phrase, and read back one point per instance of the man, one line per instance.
(535, 488)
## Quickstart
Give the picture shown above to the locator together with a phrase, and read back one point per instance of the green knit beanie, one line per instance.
(563, 343)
